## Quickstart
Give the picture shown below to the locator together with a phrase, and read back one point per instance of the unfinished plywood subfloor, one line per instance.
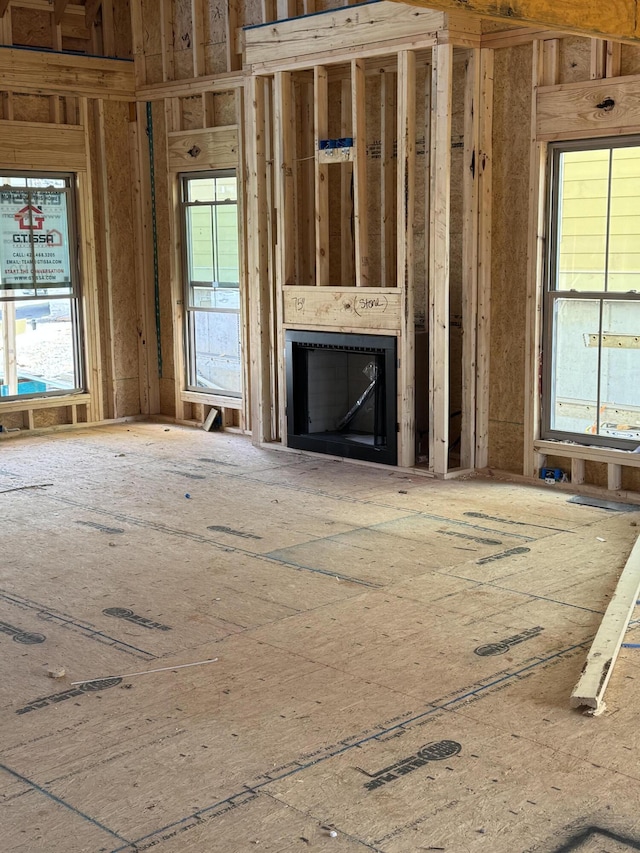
(395, 655)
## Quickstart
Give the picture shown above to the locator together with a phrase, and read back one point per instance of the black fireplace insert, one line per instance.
(341, 394)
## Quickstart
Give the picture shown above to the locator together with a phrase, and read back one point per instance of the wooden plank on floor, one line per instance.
(589, 691)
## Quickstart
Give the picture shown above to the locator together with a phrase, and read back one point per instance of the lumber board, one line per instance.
(589, 109)
(32, 145)
(439, 246)
(535, 260)
(338, 30)
(360, 218)
(195, 150)
(321, 175)
(485, 193)
(378, 308)
(590, 689)
(470, 256)
(43, 73)
(617, 18)
(405, 211)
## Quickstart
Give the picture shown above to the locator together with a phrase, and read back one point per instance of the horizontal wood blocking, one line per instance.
(30, 145)
(47, 73)
(195, 150)
(590, 109)
(192, 86)
(589, 454)
(373, 309)
(350, 31)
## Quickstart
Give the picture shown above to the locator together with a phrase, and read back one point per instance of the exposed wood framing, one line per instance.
(91, 9)
(196, 150)
(589, 109)
(321, 172)
(388, 114)
(91, 317)
(283, 132)
(485, 193)
(187, 88)
(439, 234)
(377, 309)
(31, 145)
(103, 229)
(360, 219)
(258, 260)
(590, 689)
(141, 195)
(470, 189)
(346, 200)
(234, 59)
(535, 251)
(59, 7)
(405, 261)
(4, 5)
(378, 28)
(167, 40)
(243, 239)
(617, 19)
(598, 63)
(197, 36)
(49, 73)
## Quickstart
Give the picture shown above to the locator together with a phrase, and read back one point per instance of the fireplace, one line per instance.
(341, 394)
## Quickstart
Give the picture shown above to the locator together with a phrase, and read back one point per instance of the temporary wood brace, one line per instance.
(589, 691)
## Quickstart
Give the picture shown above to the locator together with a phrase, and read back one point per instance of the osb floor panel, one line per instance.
(394, 655)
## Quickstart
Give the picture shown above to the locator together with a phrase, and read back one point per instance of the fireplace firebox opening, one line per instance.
(341, 394)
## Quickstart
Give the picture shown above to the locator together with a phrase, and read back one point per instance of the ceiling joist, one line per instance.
(58, 10)
(91, 12)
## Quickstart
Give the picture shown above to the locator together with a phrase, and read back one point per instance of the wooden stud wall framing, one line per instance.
(532, 460)
(485, 195)
(470, 224)
(258, 260)
(321, 173)
(441, 104)
(361, 230)
(405, 259)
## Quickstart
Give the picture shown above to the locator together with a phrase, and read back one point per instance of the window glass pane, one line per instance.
(624, 227)
(216, 362)
(200, 244)
(216, 297)
(574, 380)
(34, 239)
(227, 188)
(620, 370)
(226, 232)
(200, 189)
(41, 334)
(582, 220)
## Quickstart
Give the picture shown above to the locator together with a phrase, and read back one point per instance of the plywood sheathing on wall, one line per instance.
(511, 137)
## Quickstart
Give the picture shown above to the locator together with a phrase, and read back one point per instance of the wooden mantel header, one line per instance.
(612, 19)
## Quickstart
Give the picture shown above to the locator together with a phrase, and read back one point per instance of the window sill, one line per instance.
(31, 403)
(211, 399)
(589, 454)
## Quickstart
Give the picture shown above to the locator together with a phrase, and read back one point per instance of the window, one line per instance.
(40, 351)
(592, 301)
(212, 278)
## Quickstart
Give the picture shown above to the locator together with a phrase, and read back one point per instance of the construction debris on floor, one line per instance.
(384, 660)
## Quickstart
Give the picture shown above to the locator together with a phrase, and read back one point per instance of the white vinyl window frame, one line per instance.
(193, 284)
(34, 290)
(557, 294)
